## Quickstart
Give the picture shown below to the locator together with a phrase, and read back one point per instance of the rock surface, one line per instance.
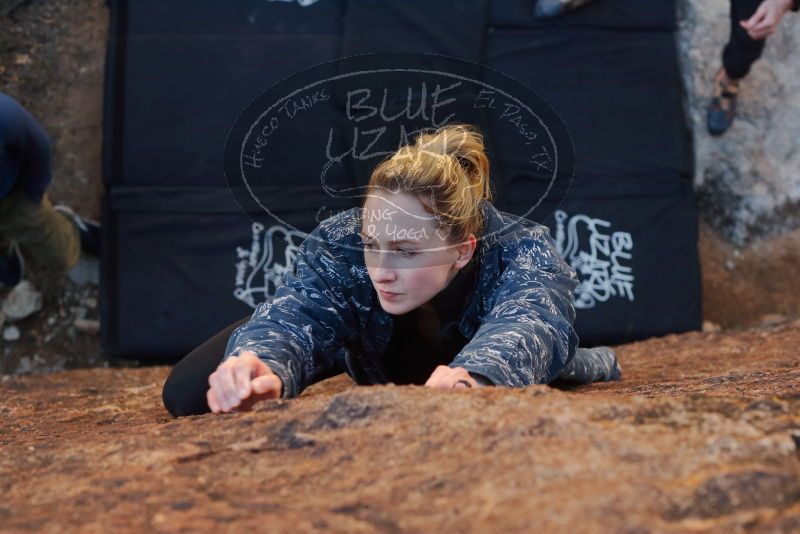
(22, 301)
(701, 435)
(747, 181)
(11, 333)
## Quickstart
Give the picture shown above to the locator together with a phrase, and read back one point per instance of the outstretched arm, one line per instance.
(299, 331)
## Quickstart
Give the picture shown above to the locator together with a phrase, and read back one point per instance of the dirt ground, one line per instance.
(52, 60)
(701, 435)
(743, 287)
(52, 56)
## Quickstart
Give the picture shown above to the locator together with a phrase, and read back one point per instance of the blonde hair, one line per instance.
(449, 171)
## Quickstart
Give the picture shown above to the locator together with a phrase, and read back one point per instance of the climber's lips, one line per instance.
(388, 296)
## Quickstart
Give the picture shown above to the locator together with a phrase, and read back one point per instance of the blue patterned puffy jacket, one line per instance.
(325, 316)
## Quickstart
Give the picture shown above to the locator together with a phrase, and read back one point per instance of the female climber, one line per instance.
(426, 283)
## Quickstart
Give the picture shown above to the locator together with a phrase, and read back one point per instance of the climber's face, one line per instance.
(408, 258)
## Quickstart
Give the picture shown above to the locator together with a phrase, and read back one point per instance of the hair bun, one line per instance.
(449, 166)
(464, 143)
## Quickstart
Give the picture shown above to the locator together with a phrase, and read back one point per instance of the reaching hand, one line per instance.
(444, 377)
(765, 20)
(241, 381)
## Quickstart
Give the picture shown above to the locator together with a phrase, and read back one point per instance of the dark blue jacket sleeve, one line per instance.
(301, 329)
(526, 334)
(25, 151)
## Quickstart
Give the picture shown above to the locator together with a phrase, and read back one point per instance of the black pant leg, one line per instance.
(741, 51)
(186, 386)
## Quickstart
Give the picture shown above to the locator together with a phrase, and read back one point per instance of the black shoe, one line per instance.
(89, 231)
(616, 374)
(722, 109)
(612, 370)
(12, 267)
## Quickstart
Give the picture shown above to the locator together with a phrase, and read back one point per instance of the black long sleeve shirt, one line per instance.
(428, 336)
